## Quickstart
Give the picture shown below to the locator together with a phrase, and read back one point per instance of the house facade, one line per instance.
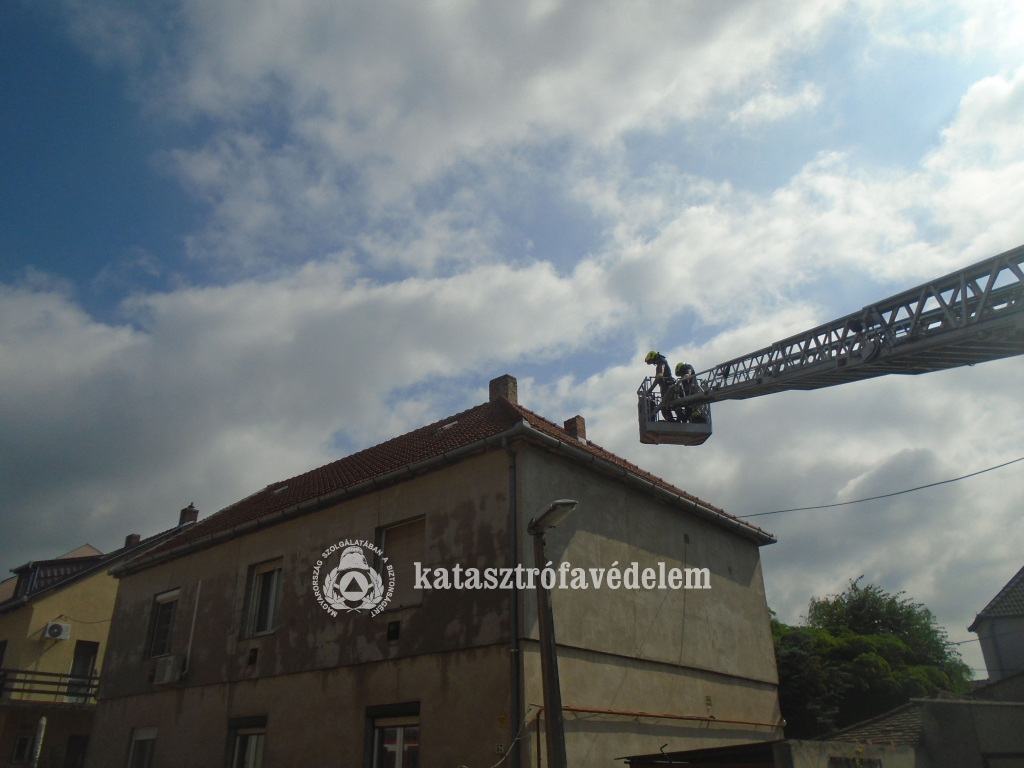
(244, 642)
(54, 621)
(1000, 629)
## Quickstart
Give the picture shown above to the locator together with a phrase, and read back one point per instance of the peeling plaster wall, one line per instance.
(663, 651)
(454, 643)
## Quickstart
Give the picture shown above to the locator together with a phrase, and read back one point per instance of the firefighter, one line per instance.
(686, 386)
(663, 378)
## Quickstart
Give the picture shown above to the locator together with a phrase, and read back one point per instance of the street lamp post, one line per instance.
(552, 516)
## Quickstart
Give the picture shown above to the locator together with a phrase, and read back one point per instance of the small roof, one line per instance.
(459, 431)
(900, 727)
(1008, 603)
(86, 550)
(57, 573)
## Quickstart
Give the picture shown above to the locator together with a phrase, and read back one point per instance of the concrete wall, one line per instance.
(957, 734)
(455, 642)
(816, 754)
(1002, 644)
(60, 724)
(317, 719)
(657, 651)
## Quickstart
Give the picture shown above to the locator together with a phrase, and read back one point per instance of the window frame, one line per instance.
(138, 736)
(243, 726)
(170, 596)
(400, 723)
(25, 735)
(381, 540)
(251, 606)
(380, 712)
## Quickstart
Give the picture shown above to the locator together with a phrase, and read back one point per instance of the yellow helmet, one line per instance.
(650, 356)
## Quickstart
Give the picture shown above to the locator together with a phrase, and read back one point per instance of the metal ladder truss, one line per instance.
(970, 316)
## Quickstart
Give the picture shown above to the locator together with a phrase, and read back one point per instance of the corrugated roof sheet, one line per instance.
(454, 432)
(1009, 601)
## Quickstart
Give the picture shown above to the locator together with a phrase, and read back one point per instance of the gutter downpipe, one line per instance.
(513, 606)
(521, 428)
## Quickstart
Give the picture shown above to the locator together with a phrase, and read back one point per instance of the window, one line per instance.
(82, 666)
(74, 752)
(246, 736)
(396, 742)
(248, 752)
(23, 744)
(143, 745)
(264, 598)
(164, 607)
(403, 545)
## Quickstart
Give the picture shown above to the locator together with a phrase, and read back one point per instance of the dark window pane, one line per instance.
(142, 753)
(162, 626)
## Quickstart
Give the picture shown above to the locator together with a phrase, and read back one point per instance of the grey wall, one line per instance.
(1002, 644)
(655, 651)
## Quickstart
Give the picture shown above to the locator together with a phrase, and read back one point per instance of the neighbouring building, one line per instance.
(1000, 628)
(248, 640)
(944, 732)
(54, 621)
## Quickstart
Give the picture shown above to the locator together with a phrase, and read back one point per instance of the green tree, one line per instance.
(861, 653)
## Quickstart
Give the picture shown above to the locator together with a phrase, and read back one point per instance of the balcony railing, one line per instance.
(27, 686)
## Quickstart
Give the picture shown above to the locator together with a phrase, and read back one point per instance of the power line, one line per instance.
(885, 495)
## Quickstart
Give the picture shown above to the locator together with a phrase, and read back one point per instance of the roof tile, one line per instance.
(454, 432)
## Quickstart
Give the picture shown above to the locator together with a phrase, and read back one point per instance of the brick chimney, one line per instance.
(188, 515)
(504, 386)
(131, 540)
(576, 427)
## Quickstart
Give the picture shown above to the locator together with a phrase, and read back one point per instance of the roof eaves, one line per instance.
(317, 503)
(664, 491)
(103, 561)
(1016, 583)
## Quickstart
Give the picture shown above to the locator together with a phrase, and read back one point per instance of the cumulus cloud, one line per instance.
(769, 105)
(381, 294)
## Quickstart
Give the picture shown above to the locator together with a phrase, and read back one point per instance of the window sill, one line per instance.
(257, 635)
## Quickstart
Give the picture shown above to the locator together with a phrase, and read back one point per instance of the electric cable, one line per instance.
(884, 495)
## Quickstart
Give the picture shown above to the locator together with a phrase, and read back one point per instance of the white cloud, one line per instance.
(769, 106)
(207, 393)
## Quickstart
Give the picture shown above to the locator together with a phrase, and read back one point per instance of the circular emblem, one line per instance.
(353, 584)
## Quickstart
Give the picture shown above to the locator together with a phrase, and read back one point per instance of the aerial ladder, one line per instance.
(969, 316)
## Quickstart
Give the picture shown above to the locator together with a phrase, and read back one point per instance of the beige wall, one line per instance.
(317, 719)
(657, 651)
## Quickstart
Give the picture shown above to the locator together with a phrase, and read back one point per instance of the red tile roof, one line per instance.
(462, 429)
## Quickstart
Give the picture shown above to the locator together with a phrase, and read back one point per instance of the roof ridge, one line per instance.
(630, 466)
(912, 704)
(1015, 583)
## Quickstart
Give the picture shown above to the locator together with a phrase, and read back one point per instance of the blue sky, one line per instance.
(239, 241)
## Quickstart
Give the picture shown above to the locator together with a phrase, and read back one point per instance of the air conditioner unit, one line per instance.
(168, 670)
(57, 631)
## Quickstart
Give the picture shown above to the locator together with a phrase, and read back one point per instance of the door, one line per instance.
(82, 668)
